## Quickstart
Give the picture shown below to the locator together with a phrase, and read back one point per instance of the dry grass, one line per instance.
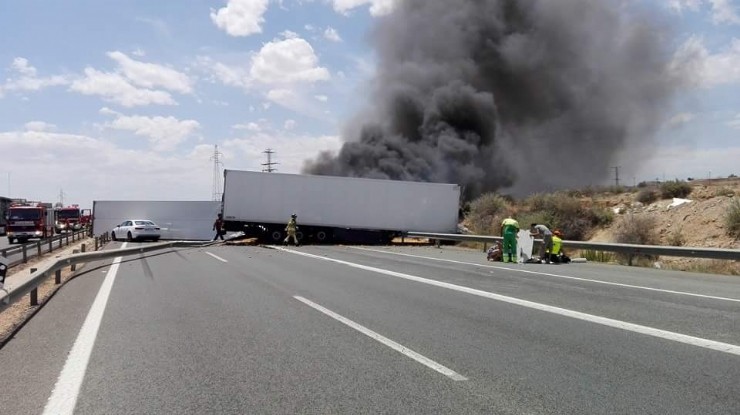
(16, 314)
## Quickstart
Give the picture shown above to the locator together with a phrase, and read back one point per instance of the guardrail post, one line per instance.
(96, 243)
(66, 234)
(25, 253)
(38, 247)
(83, 247)
(50, 247)
(58, 276)
(74, 266)
(34, 293)
(61, 241)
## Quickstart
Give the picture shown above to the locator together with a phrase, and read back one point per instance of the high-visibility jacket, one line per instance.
(510, 226)
(556, 244)
(292, 226)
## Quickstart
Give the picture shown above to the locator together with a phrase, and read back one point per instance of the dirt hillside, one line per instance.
(698, 223)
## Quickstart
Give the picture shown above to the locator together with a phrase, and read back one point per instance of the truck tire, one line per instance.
(322, 236)
(276, 236)
(11, 241)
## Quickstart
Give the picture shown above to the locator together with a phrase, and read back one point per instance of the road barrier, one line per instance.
(630, 250)
(10, 294)
(38, 248)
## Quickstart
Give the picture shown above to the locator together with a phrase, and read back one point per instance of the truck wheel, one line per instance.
(276, 237)
(113, 236)
(129, 238)
(11, 241)
(321, 236)
(299, 235)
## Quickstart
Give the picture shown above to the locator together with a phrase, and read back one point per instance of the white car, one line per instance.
(136, 229)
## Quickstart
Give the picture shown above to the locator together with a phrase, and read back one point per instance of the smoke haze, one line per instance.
(521, 95)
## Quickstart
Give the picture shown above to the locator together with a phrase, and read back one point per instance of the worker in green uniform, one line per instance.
(509, 230)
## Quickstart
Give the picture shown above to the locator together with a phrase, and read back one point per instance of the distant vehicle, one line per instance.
(136, 229)
(29, 220)
(67, 219)
(336, 209)
(4, 204)
(86, 218)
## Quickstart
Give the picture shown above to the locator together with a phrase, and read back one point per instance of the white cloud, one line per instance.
(377, 7)
(680, 119)
(164, 133)
(287, 61)
(722, 11)
(289, 124)
(241, 17)
(150, 75)
(735, 122)
(119, 173)
(709, 69)
(688, 161)
(331, 34)
(40, 126)
(114, 87)
(250, 126)
(290, 149)
(28, 79)
(322, 98)
(228, 75)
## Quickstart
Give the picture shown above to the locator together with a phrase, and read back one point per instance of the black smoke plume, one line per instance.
(521, 95)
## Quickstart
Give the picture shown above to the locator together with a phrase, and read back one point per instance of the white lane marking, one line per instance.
(386, 341)
(622, 325)
(66, 391)
(217, 257)
(553, 275)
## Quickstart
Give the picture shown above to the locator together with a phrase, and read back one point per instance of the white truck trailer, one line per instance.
(191, 220)
(336, 209)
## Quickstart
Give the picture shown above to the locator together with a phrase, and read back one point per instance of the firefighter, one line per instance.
(509, 230)
(291, 229)
(218, 226)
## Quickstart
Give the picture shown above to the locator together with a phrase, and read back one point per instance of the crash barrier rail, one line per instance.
(631, 250)
(48, 245)
(11, 294)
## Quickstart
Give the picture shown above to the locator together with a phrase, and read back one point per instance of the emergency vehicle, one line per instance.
(29, 220)
(67, 219)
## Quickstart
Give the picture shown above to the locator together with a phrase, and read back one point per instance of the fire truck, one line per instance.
(86, 218)
(29, 220)
(4, 204)
(67, 219)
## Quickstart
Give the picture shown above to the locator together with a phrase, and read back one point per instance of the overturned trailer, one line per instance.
(178, 220)
(336, 209)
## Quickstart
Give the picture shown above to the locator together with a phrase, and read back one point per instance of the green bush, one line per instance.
(675, 188)
(485, 211)
(724, 191)
(565, 212)
(636, 230)
(598, 256)
(647, 196)
(732, 218)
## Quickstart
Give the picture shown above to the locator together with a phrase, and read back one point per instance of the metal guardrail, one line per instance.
(48, 245)
(629, 249)
(10, 295)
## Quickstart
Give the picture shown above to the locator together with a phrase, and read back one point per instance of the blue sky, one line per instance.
(126, 99)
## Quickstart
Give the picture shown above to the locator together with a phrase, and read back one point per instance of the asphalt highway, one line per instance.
(375, 330)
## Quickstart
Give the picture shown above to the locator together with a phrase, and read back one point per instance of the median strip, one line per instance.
(386, 341)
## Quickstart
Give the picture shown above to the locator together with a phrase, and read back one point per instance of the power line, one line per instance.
(216, 157)
(268, 166)
(616, 175)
